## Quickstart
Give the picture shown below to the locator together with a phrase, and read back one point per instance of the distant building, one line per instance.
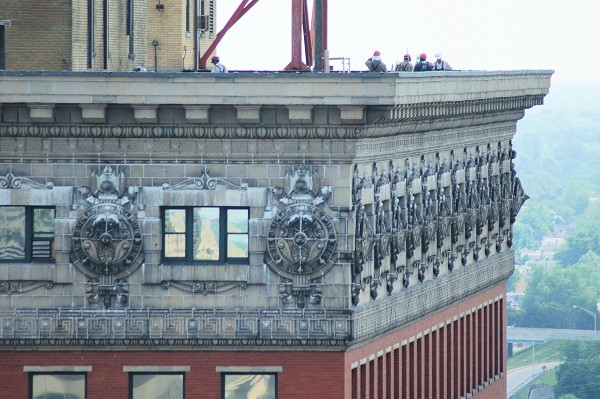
(105, 35)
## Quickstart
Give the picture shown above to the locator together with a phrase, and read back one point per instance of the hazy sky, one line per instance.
(471, 34)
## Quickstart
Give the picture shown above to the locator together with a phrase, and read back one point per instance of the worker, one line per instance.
(406, 65)
(375, 64)
(423, 65)
(218, 67)
(441, 65)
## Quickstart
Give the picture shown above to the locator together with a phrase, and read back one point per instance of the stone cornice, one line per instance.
(266, 88)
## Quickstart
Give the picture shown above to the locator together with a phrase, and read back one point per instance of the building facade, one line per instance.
(279, 236)
(105, 35)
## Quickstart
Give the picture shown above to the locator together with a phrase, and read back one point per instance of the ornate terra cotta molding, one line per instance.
(21, 286)
(204, 182)
(12, 182)
(203, 287)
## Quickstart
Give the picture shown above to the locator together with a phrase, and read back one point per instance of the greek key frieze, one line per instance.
(207, 327)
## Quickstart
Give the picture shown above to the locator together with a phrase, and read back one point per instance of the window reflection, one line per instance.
(12, 235)
(250, 386)
(157, 386)
(58, 386)
(206, 234)
(175, 233)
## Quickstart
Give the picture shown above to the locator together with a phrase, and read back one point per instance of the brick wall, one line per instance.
(303, 374)
(449, 354)
(39, 37)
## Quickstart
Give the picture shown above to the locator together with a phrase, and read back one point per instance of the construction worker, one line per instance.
(406, 65)
(441, 65)
(423, 65)
(218, 67)
(375, 64)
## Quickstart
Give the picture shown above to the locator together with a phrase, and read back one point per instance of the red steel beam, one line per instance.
(239, 13)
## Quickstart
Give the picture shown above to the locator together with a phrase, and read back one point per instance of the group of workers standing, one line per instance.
(376, 64)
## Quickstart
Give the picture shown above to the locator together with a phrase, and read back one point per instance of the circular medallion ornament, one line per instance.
(301, 239)
(107, 239)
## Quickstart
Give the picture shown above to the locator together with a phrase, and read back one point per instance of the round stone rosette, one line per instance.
(301, 240)
(107, 240)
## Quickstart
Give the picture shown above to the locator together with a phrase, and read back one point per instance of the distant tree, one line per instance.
(535, 221)
(513, 281)
(585, 239)
(568, 396)
(572, 351)
(514, 316)
(551, 294)
(579, 378)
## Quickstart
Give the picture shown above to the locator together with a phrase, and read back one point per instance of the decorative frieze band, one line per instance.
(178, 327)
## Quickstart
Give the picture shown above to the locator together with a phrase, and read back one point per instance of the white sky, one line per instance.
(471, 34)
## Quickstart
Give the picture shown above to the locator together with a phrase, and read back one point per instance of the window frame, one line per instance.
(134, 373)
(224, 374)
(41, 373)
(189, 237)
(30, 238)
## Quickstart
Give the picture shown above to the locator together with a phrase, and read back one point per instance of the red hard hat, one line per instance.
(215, 57)
(376, 53)
(407, 56)
(423, 56)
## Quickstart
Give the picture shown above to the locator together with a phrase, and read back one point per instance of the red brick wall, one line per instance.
(305, 375)
(445, 355)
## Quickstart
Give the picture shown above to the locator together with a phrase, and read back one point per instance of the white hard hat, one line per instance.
(438, 55)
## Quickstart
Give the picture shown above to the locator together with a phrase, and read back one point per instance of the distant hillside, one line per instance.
(558, 159)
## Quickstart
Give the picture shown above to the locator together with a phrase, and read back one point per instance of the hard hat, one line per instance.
(215, 57)
(438, 56)
(423, 56)
(407, 57)
(376, 53)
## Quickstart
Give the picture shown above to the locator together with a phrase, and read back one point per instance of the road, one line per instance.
(523, 374)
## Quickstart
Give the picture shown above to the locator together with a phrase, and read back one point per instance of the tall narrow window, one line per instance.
(130, 26)
(58, 385)
(106, 31)
(187, 16)
(27, 233)
(2, 47)
(90, 28)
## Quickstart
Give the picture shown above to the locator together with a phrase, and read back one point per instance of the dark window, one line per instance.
(2, 47)
(243, 386)
(187, 16)
(27, 233)
(57, 385)
(130, 26)
(156, 386)
(205, 234)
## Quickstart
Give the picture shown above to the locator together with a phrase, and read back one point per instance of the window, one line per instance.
(187, 16)
(205, 234)
(57, 385)
(156, 386)
(249, 386)
(27, 233)
(2, 47)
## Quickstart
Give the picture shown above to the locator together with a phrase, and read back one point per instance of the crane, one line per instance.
(313, 35)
